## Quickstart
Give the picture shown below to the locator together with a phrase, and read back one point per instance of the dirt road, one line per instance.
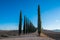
(30, 36)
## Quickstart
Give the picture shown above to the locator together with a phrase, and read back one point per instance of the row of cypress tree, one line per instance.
(28, 26)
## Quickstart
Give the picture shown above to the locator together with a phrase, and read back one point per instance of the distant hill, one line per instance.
(56, 30)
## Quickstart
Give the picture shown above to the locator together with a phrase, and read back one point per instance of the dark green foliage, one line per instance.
(20, 23)
(33, 29)
(28, 26)
(39, 21)
(24, 25)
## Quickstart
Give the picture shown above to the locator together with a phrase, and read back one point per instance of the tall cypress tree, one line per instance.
(27, 25)
(39, 20)
(20, 23)
(24, 27)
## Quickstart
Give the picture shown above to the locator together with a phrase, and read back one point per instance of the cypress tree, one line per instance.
(27, 25)
(24, 27)
(32, 27)
(20, 23)
(39, 20)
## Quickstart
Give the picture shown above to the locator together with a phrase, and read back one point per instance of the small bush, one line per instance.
(4, 35)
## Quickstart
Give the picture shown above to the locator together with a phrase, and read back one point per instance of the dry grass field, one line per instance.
(54, 35)
(13, 35)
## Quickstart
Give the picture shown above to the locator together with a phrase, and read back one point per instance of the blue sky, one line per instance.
(10, 10)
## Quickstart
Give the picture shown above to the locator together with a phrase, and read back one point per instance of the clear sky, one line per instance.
(10, 10)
